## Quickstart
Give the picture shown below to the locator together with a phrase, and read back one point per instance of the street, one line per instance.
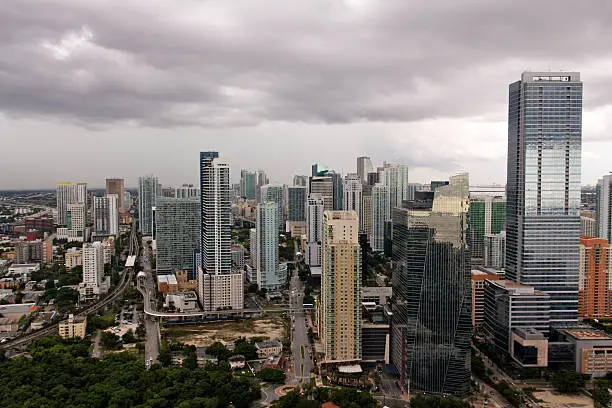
(151, 323)
(300, 346)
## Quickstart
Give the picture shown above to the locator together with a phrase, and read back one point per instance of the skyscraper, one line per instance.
(543, 207)
(216, 238)
(341, 287)
(432, 316)
(148, 190)
(323, 185)
(296, 208)
(248, 185)
(314, 229)
(595, 285)
(487, 216)
(117, 186)
(604, 207)
(396, 180)
(364, 166)
(76, 220)
(67, 193)
(106, 215)
(380, 214)
(275, 193)
(177, 222)
(268, 276)
(353, 187)
(299, 180)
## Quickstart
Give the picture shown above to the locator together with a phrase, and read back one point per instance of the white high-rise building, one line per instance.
(380, 214)
(275, 193)
(187, 191)
(396, 180)
(604, 207)
(67, 193)
(353, 188)
(314, 229)
(106, 215)
(93, 266)
(269, 275)
(222, 291)
(76, 218)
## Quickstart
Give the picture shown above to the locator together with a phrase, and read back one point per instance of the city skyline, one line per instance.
(383, 95)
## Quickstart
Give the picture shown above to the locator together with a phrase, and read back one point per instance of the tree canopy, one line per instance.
(61, 374)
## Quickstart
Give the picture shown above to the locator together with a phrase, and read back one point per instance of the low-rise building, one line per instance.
(23, 271)
(237, 361)
(267, 348)
(8, 325)
(275, 361)
(72, 258)
(74, 326)
(16, 311)
(182, 301)
(202, 358)
(376, 294)
(593, 350)
(167, 283)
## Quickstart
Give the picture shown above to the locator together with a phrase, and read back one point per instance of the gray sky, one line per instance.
(99, 88)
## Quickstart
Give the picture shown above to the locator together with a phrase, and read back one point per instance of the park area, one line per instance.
(203, 335)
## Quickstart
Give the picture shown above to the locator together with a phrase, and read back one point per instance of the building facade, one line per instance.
(106, 215)
(364, 166)
(323, 185)
(543, 206)
(296, 208)
(396, 180)
(432, 313)
(478, 287)
(352, 190)
(604, 207)
(149, 189)
(117, 186)
(380, 214)
(67, 193)
(275, 193)
(314, 229)
(341, 287)
(487, 216)
(177, 222)
(595, 283)
(267, 247)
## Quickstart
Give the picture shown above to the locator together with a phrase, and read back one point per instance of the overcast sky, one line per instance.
(99, 88)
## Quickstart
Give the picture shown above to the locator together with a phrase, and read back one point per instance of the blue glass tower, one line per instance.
(543, 207)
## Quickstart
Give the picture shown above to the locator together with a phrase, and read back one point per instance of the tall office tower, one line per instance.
(365, 216)
(268, 276)
(604, 207)
(117, 186)
(543, 209)
(341, 287)
(588, 226)
(314, 229)
(364, 166)
(396, 179)
(487, 216)
(275, 193)
(93, 266)
(353, 190)
(187, 191)
(434, 184)
(337, 186)
(296, 209)
(169, 192)
(373, 178)
(76, 219)
(67, 193)
(262, 180)
(412, 189)
(380, 214)
(216, 238)
(148, 191)
(318, 170)
(177, 222)
(248, 185)
(106, 215)
(594, 285)
(495, 250)
(432, 316)
(300, 181)
(323, 185)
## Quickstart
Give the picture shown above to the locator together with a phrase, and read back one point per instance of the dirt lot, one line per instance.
(226, 332)
(555, 400)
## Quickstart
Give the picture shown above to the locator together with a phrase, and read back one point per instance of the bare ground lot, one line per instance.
(205, 334)
(556, 400)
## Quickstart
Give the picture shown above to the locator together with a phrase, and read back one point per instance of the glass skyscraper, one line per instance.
(432, 307)
(543, 204)
(148, 190)
(487, 216)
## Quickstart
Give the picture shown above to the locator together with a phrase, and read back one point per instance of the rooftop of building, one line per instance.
(169, 279)
(529, 333)
(587, 334)
(487, 273)
(516, 288)
(29, 265)
(267, 344)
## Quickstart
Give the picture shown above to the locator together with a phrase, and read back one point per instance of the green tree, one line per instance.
(110, 341)
(165, 357)
(272, 375)
(437, 402)
(128, 337)
(217, 349)
(248, 350)
(567, 381)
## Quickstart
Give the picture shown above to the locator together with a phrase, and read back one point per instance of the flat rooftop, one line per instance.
(588, 334)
